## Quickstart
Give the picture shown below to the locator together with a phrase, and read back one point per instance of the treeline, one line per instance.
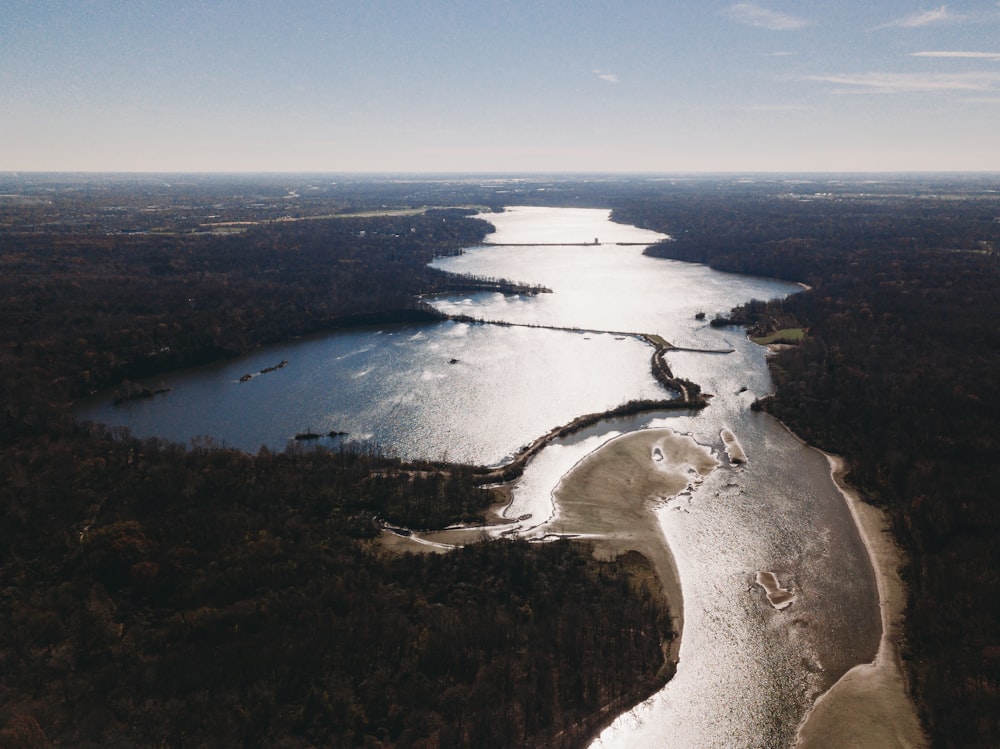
(154, 595)
(184, 203)
(899, 372)
(82, 312)
(158, 596)
(793, 235)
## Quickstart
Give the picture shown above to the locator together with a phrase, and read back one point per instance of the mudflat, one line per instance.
(870, 705)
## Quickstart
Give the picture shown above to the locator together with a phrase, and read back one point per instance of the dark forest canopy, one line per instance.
(155, 594)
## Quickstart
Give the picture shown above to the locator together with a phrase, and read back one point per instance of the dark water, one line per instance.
(473, 392)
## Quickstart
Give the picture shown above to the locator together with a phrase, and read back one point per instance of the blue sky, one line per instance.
(445, 86)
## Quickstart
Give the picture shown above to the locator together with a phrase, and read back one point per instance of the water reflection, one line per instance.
(466, 392)
(477, 393)
(748, 671)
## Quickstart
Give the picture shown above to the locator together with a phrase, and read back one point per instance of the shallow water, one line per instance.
(396, 387)
(476, 393)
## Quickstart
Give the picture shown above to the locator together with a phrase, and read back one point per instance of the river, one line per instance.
(748, 671)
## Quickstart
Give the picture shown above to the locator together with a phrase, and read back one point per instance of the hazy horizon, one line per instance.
(515, 88)
(523, 175)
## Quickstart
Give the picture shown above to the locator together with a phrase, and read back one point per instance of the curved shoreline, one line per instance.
(610, 497)
(690, 398)
(870, 705)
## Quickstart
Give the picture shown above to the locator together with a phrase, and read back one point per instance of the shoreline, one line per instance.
(870, 705)
(610, 500)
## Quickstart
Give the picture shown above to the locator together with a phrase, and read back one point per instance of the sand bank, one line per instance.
(734, 449)
(780, 598)
(443, 541)
(610, 498)
(870, 705)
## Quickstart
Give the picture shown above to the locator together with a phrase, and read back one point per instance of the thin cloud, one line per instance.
(992, 56)
(754, 15)
(609, 77)
(904, 83)
(776, 108)
(923, 18)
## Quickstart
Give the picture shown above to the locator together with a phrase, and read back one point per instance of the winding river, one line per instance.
(779, 599)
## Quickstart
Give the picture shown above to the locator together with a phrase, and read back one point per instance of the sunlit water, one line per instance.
(474, 392)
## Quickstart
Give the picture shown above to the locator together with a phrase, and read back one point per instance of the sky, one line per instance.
(503, 86)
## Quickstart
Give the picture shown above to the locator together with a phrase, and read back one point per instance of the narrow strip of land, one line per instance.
(566, 244)
(516, 467)
(690, 398)
(657, 341)
(870, 705)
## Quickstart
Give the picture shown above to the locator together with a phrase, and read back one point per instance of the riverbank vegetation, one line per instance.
(899, 373)
(94, 309)
(156, 595)
(785, 335)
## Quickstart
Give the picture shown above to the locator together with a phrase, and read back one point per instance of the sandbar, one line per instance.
(734, 449)
(610, 497)
(870, 705)
(780, 598)
(404, 540)
(609, 500)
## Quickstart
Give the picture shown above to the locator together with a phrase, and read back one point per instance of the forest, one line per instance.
(899, 372)
(160, 596)
(155, 594)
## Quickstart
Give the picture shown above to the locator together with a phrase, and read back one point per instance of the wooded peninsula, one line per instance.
(169, 595)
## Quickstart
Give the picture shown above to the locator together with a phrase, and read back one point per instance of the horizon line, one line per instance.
(497, 173)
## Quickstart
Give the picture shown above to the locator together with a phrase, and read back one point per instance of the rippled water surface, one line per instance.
(477, 392)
